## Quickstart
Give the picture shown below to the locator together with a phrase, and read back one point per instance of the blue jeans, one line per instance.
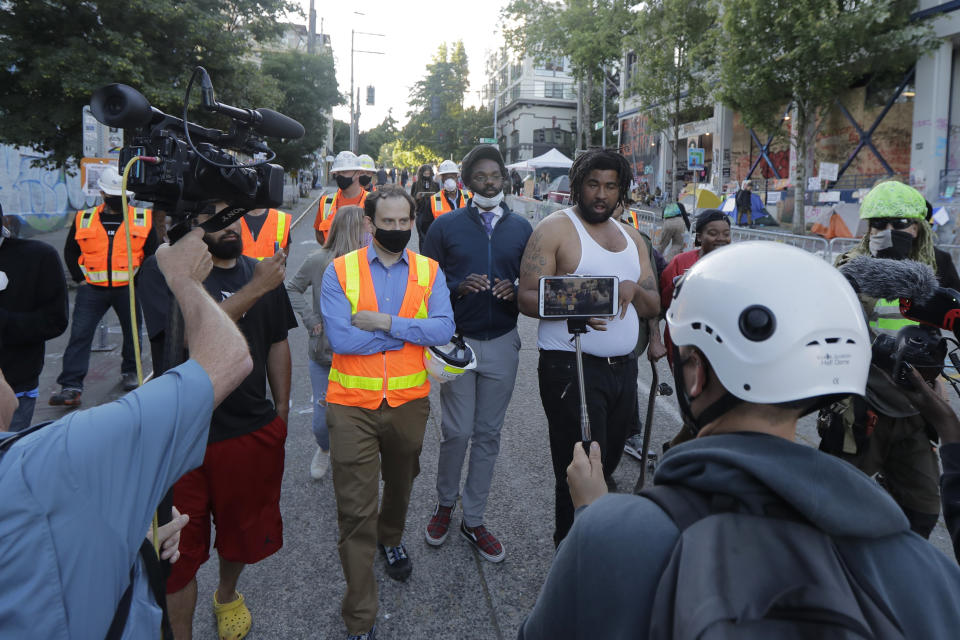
(91, 303)
(320, 378)
(23, 416)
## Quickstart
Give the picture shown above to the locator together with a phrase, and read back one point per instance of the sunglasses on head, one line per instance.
(897, 223)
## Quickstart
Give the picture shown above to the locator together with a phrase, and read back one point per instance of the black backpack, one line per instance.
(152, 565)
(734, 574)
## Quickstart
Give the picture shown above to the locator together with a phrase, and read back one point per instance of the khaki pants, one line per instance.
(365, 443)
(671, 236)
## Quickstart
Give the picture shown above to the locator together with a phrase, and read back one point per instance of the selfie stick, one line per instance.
(647, 427)
(578, 327)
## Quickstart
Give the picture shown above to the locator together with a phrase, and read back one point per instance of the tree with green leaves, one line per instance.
(806, 53)
(676, 53)
(53, 55)
(308, 84)
(372, 141)
(589, 32)
(436, 101)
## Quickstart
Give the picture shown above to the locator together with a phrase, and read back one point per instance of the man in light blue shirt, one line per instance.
(381, 306)
(79, 494)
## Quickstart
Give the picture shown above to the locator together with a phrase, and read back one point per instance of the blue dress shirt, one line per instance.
(390, 283)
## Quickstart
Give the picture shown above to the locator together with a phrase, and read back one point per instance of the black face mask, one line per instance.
(343, 182)
(364, 180)
(114, 203)
(392, 240)
(902, 245)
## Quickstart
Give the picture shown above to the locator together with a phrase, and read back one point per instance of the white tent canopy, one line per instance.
(550, 160)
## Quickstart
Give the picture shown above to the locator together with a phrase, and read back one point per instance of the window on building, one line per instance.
(515, 139)
(553, 90)
(516, 70)
(551, 65)
(631, 72)
(515, 92)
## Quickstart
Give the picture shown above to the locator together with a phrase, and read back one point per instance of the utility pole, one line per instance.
(354, 111)
(603, 87)
(311, 38)
(496, 103)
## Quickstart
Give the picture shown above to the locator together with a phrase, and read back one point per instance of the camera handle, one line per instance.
(216, 222)
(578, 327)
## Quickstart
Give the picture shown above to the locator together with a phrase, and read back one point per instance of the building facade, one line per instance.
(534, 104)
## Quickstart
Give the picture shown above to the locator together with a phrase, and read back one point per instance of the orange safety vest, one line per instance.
(397, 376)
(440, 206)
(103, 259)
(274, 234)
(328, 209)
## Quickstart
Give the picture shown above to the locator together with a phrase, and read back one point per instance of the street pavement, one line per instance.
(453, 592)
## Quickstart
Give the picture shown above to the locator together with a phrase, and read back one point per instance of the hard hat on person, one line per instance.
(450, 361)
(366, 163)
(776, 323)
(893, 199)
(111, 183)
(345, 161)
(448, 166)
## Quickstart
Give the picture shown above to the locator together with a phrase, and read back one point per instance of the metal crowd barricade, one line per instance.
(839, 246)
(814, 244)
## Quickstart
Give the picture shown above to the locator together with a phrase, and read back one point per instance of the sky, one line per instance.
(412, 32)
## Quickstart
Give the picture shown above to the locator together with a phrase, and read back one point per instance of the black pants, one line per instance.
(611, 390)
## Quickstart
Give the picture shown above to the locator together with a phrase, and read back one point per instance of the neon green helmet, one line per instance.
(893, 199)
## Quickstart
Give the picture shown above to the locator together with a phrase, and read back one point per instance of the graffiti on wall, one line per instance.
(38, 198)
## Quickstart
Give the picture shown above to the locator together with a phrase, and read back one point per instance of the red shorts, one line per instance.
(239, 485)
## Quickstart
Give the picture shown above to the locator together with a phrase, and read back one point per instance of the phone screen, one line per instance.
(578, 296)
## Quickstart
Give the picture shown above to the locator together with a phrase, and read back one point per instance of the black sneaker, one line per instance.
(66, 397)
(634, 446)
(128, 381)
(398, 563)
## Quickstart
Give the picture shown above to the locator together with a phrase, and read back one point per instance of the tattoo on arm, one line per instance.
(533, 259)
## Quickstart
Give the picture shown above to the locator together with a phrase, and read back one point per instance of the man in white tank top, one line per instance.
(583, 240)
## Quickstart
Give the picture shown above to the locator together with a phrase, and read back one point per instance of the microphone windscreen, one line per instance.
(883, 278)
(276, 125)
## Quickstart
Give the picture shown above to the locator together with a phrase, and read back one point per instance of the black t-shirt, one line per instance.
(267, 322)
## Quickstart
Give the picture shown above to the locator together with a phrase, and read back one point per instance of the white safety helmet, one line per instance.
(111, 183)
(367, 163)
(776, 323)
(450, 361)
(448, 166)
(345, 161)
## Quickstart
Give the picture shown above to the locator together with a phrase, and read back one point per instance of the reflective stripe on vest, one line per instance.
(397, 376)
(264, 246)
(329, 205)
(101, 264)
(887, 318)
(440, 206)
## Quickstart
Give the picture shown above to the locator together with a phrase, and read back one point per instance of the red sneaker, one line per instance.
(439, 525)
(486, 545)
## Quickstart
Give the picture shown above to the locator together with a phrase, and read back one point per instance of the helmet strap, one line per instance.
(726, 403)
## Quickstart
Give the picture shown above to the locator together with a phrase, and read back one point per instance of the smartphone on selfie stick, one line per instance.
(577, 299)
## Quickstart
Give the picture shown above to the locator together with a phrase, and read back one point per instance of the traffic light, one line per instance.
(370, 94)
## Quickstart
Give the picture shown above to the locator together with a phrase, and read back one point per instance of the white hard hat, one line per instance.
(450, 361)
(111, 183)
(776, 323)
(366, 163)
(345, 161)
(448, 166)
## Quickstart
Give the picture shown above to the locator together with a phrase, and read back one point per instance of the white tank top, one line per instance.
(620, 338)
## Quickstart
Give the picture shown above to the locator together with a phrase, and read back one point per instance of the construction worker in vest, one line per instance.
(381, 306)
(449, 198)
(265, 232)
(888, 435)
(96, 256)
(368, 171)
(347, 172)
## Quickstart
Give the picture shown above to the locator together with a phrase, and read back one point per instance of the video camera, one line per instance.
(191, 166)
(918, 346)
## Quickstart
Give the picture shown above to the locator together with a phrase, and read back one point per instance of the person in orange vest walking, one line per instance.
(449, 198)
(381, 306)
(96, 256)
(348, 173)
(265, 232)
